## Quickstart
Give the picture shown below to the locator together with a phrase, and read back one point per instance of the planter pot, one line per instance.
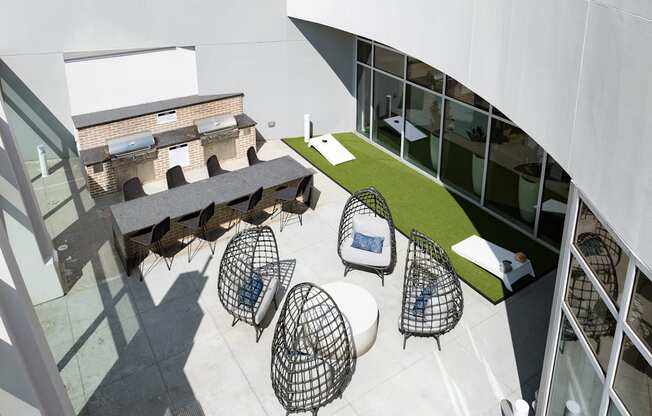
(528, 192)
(434, 152)
(477, 170)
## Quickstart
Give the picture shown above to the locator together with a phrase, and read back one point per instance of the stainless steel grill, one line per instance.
(131, 146)
(217, 128)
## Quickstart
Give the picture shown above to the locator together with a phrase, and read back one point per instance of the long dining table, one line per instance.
(132, 217)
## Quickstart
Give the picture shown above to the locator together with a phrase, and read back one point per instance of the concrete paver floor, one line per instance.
(165, 346)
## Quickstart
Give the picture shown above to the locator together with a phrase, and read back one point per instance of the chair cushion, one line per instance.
(268, 297)
(368, 243)
(371, 226)
(250, 291)
(432, 320)
(374, 227)
(365, 258)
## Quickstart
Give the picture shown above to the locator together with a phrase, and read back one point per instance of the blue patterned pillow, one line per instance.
(420, 303)
(250, 292)
(368, 243)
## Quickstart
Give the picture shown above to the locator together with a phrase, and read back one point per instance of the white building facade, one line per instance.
(573, 75)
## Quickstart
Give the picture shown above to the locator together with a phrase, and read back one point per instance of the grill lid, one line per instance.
(216, 123)
(131, 143)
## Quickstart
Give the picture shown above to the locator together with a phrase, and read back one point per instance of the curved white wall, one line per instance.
(575, 74)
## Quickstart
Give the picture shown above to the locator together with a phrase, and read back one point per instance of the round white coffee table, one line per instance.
(360, 310)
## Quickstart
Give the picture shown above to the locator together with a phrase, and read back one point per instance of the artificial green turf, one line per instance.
(418, 202)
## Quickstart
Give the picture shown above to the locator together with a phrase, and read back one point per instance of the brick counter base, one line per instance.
(104, 178)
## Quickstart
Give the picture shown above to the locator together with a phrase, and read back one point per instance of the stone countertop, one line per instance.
(176, 136)
(244, 121)
(108, 116)
(94, 156)
(141, 213)
(164, 139)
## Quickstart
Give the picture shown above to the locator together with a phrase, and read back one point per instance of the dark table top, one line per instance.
(144, 212)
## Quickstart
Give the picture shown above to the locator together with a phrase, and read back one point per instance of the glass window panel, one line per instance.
(457, 90)
(573, 377)
(613, 410)
(639, 316)
(364, 100)
(424, 75)
(463, 148)
(602, 253)
(556, 185)
(513, 173)
(633, 382)
(595, 320)
(389, 61)
(364, 52)
(423, 112)
(388, 121)
(499, 113)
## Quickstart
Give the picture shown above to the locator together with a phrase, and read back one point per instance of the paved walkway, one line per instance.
(165, 346)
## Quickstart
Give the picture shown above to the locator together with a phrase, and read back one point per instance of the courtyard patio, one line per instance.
(166, 346)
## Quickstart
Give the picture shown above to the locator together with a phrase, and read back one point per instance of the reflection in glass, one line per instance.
(595, 320)
(633, 382)
(423, 112)
(639, 316)
(388, 120)
(364, 52)
(573, 377)
(613, 410)
(602, 253)
(463, 148)
(364, 100)
(513, 173)
(424, 75)
(389, 61)
(553, 202)
(456, 90)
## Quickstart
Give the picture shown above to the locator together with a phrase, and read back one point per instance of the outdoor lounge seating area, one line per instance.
(290, 207)
(168, 343)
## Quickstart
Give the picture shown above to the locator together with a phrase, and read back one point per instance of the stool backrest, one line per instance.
(252, 157)
(213, 166)
(206, 214)
(133, 189)
(160, 229)
(255, 198)
(175, 177)
(303, 185)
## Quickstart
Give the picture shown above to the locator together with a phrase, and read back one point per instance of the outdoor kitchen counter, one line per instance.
(100, 154)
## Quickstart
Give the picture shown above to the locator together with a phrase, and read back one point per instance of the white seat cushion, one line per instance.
(366, 258)
(268, 297)
(371, 226)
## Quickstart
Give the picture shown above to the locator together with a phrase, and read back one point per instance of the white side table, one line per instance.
(360, 311)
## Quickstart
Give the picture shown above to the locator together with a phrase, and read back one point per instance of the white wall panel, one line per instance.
(611, 144)
(127, 79)
(284, 80)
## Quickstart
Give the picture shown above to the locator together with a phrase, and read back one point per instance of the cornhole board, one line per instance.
(331, 149)
(489, 256)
